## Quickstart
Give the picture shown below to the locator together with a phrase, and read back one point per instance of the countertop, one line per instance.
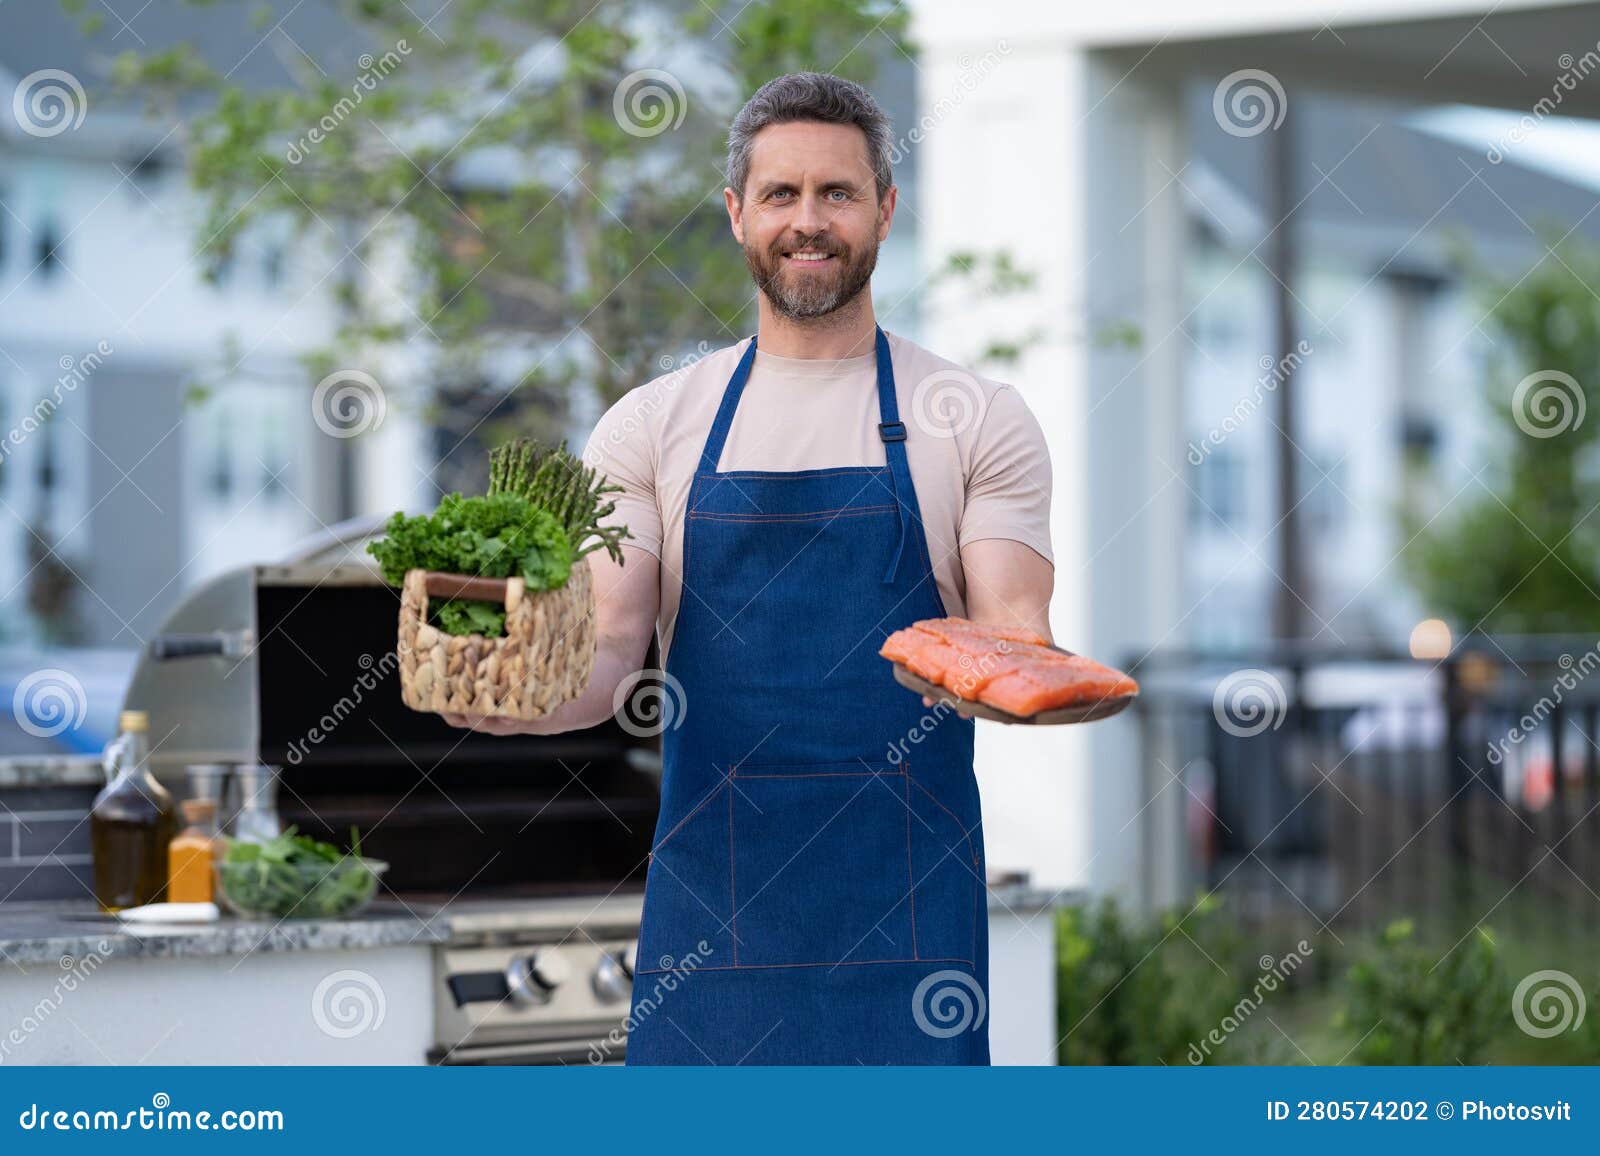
(43, 932)
(46, 932)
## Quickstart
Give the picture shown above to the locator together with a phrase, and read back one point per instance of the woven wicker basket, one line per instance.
(543, 660)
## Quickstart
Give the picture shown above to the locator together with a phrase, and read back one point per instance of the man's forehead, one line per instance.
(810, 149)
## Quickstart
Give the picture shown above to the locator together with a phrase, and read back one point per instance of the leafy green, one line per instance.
(485, 537)
(294, 876)
(460, 616)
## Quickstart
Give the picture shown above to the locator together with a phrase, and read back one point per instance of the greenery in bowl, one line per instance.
(296, 877)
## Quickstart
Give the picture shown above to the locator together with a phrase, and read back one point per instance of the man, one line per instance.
(816, 890)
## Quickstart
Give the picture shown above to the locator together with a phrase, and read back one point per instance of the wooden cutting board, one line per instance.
(967, 708)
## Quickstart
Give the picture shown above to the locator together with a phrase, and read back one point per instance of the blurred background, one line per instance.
(1306, 301)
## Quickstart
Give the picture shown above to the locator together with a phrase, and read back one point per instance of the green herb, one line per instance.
(555, 480)
(295, 876)
(486, 537)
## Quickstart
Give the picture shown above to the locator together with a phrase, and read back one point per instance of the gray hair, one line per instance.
(810, 96)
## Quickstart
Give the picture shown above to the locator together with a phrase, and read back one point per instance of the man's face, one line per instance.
(810, 221)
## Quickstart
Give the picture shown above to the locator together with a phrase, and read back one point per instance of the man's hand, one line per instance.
(487, 723)
(627, 599)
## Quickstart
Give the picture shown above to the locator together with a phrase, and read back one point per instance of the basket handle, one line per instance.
(442, 585)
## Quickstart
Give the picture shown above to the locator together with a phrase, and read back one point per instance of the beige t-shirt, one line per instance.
(977, 455)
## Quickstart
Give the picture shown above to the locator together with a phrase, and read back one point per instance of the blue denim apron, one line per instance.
(815, 893)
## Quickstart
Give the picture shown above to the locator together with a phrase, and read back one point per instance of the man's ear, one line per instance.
(735, 214)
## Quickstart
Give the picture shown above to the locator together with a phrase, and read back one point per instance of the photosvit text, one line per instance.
(1479, 1110)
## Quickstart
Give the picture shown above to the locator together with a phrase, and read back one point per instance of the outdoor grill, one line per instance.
(534, 847)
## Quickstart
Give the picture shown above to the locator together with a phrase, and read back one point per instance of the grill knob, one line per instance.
(613, 976)
(549, 968)
(531, 978)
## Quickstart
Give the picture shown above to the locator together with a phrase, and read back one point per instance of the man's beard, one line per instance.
(802, 295)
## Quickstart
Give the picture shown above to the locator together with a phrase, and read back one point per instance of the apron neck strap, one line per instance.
(712, 453)
(891, 430)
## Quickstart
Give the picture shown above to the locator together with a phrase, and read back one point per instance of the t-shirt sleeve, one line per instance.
(622, 447)
(1008, 486)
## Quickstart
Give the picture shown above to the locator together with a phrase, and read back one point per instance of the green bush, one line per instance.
(1408, 1005)
(1148, 993)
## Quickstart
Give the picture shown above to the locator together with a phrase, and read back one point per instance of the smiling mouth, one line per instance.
(808, 257)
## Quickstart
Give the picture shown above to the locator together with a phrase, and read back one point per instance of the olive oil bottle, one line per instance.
(131, 823)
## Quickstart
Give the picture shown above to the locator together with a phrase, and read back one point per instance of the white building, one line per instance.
(1094, 152)
(159, 424)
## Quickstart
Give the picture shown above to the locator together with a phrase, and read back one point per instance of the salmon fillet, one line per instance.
(950, 629)
(933, 660)
(1049, 686)
(1009, 668)
(902, 644)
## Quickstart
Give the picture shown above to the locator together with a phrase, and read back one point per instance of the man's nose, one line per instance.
(809, 216)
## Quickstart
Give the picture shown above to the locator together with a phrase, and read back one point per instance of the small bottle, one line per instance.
(131, 823)
(190, 855)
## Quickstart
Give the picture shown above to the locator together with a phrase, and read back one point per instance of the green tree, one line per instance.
(1521, 554)
(526, 189)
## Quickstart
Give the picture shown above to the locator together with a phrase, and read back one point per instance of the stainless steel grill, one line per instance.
(534, 847)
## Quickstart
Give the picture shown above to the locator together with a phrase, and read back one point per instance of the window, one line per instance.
(47, 248)
(1218, 499)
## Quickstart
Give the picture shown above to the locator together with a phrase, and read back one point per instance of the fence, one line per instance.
(1351, 786)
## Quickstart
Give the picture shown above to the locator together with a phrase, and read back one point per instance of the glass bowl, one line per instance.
(312, 890)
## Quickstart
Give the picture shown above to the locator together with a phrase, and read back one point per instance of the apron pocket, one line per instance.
(822, 864)
(948, 869)
(689, 897)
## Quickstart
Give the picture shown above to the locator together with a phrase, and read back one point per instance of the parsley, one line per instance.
(486, 537)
